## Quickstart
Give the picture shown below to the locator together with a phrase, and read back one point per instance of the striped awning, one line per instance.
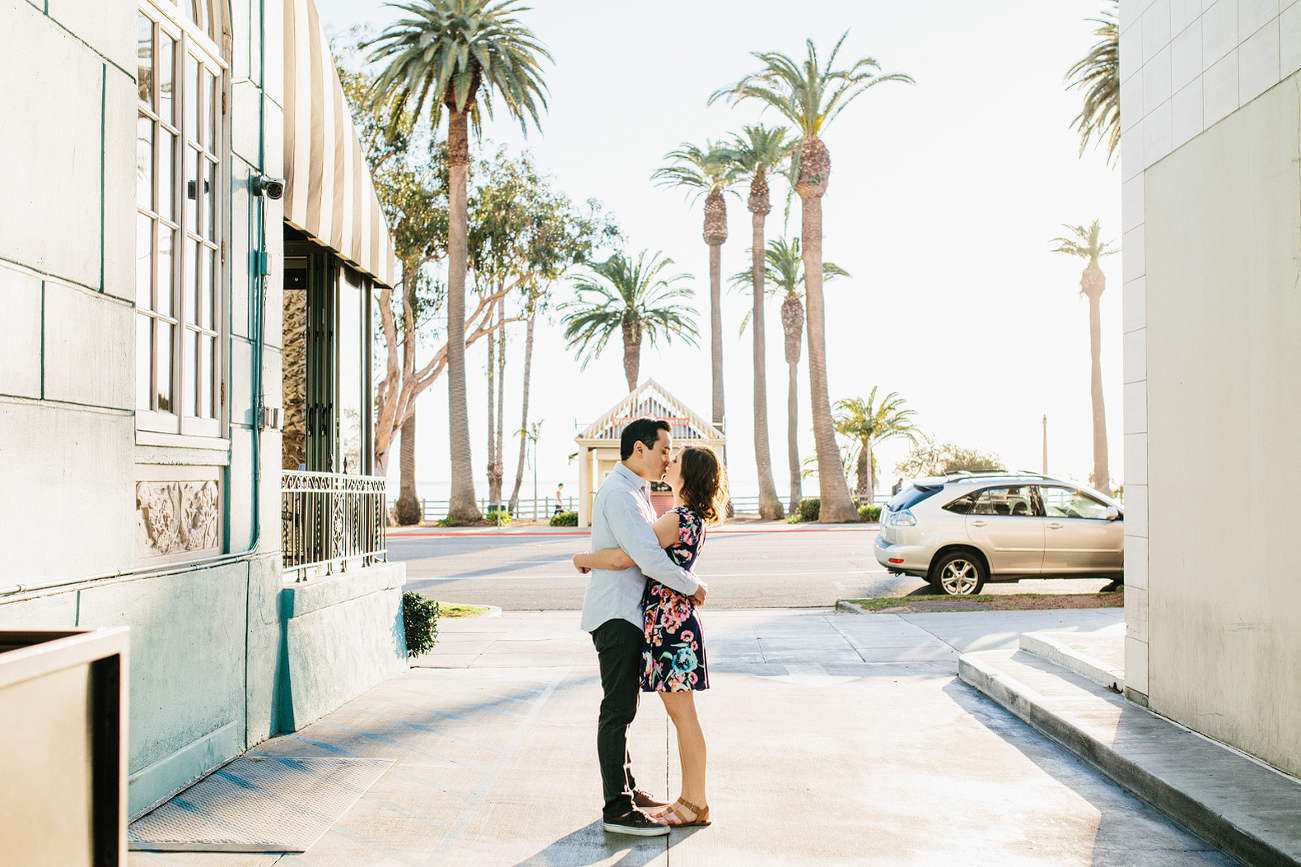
(329, 193)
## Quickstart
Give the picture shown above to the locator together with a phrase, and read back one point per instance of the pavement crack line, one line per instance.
(480, 793)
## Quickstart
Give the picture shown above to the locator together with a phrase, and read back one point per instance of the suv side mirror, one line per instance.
(1114, 514)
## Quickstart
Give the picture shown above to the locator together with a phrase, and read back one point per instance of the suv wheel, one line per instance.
(958, 573)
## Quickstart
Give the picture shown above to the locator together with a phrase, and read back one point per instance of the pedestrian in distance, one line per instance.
(622, 518)
(560, 499)
(673, 648)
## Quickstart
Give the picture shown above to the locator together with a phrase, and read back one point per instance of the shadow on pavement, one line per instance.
(1127, 825)
(591, 845)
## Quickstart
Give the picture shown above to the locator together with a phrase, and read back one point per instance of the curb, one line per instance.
(1194, 815)
(849, 607)
(1044, 646)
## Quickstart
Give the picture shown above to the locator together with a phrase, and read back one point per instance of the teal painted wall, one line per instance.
(211, 652)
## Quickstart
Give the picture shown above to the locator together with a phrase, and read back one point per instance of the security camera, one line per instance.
(272, 188)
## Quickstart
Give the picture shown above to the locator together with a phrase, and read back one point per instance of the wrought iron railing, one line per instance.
(330, 521)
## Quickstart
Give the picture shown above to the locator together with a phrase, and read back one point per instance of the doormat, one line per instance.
(257, 804)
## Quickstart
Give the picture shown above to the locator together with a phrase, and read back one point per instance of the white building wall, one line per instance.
(67, 274)
(1188, 67)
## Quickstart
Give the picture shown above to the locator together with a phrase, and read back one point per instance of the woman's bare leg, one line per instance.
(681, 708)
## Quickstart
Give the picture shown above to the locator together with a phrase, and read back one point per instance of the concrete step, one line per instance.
(1242, 806)
(1078, 653)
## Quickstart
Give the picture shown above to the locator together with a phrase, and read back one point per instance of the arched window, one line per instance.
(181, 167)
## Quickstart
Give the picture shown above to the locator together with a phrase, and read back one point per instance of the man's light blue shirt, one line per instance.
(621, 518)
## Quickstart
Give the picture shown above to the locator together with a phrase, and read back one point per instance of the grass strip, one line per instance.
(454, 609)
(1002, 602)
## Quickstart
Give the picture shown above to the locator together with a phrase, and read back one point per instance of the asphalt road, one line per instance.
(745, 565)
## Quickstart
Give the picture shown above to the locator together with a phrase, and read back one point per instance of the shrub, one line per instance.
(809, 508)
(446, 522)
(564, 519)
(869, 513)
(420, 620)
(498, 515)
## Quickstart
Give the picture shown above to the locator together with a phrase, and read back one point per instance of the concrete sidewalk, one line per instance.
(1067, 686)
(834, 739)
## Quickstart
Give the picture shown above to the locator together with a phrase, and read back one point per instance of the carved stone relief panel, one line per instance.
(174, 517)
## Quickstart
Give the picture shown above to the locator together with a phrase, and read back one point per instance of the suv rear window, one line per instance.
(914, 495)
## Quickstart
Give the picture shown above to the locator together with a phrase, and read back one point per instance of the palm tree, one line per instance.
(1099, 74)
(785, 271)
(1086, 245)
(810, 96)
(867, 423)
(707, 171)
(754, 155)
(630, 299)
(465, 53)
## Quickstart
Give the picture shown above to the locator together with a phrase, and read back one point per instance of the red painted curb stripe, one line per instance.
(510, 533)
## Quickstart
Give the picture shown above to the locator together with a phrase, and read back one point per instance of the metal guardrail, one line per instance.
(329, 521)
(436, 510)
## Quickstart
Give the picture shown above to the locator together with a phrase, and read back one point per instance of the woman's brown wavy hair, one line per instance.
(704, 483)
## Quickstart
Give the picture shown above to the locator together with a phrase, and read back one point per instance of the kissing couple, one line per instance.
(640, 608)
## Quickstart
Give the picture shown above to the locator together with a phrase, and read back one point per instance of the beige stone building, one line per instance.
(598, 444)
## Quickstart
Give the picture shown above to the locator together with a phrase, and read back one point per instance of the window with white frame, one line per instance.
(181, 167)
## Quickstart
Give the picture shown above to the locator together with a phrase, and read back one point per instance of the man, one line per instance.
(560, 499)
(612, 613)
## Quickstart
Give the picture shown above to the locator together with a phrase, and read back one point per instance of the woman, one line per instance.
(673, 656)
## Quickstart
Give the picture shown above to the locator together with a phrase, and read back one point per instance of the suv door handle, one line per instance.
(1055, 526)
(977, 523)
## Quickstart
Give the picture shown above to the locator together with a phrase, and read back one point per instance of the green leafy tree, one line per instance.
(1093, 283)
(810, 94)
(711, 173)
(525, 234)
(755, 154)
(633, 300)
(867, 423)
(1098, 75)
(929, 458)
(460, 55)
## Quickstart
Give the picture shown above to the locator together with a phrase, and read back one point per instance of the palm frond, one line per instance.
(1098, 74)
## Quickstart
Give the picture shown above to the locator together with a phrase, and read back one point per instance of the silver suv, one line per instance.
(960, 531)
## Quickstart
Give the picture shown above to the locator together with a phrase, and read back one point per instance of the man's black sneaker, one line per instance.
(636, 822)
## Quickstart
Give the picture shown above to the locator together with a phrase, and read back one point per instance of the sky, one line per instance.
(943, 201)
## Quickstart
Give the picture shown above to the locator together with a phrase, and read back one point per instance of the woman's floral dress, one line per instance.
(673, 655)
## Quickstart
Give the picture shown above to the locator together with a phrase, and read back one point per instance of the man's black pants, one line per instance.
(618, 649)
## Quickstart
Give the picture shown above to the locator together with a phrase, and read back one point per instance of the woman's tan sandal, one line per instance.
(676, 818)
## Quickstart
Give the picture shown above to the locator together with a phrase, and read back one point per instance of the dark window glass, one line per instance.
(962, 505)
(914, 495)
(1070, 503)
(1006, 500)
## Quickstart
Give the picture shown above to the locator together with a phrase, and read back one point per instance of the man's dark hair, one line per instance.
(641, 430)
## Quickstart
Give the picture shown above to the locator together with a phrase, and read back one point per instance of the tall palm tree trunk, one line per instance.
(631, 353)
(492, 418)
(716, 331)
(462, 507)
(815, 165)
(497, 470)
(715, 235)
(408, 506)
(871, 474)
(864, 467)
(770, 508)
(1101, 476)
(524, 413)
(793, 324)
